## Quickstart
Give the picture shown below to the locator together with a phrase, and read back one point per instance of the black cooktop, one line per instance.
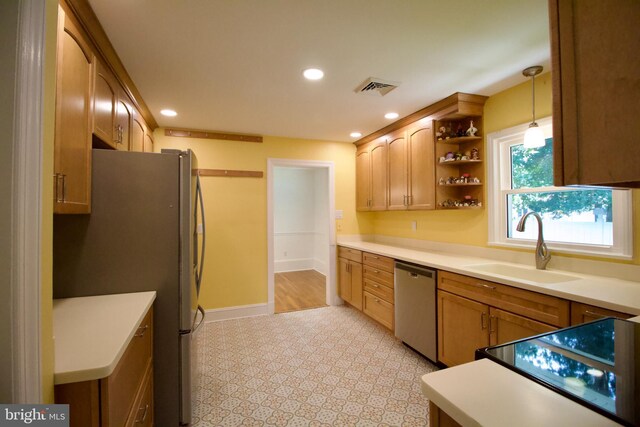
(596, 364)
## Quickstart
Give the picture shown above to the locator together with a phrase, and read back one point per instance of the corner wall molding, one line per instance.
(238, 312)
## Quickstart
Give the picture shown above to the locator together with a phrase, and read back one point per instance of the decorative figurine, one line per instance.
(472, 130)
(440, 134)
(441, 181)
(449, 156)
(474, 154)
(476, 180)
(460, 131)
(458, 155)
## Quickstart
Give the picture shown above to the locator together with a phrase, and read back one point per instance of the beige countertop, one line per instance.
(605, 292)
(91, 333)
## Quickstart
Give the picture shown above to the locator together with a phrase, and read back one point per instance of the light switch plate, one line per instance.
(339, 214)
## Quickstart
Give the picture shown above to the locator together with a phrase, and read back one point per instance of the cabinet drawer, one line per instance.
(119, 390)
(379, 276)
(142, 411)
(379, 290)
(352, 254)
(582, 313)
(544, 308)
(378, 309)
(378, 261)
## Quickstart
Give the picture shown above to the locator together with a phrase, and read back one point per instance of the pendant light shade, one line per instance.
(533, 137)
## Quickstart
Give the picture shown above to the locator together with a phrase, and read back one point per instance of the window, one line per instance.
(575, 219)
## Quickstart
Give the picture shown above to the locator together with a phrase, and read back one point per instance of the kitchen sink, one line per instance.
(524, 273)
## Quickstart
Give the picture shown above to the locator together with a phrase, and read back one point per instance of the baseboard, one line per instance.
(238, 312)
(293, 265)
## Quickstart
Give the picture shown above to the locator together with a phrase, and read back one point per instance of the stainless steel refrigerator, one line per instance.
(145, 232)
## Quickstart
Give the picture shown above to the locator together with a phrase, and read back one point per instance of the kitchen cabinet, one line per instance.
(148, 141)
(596, 92)
(411, 168)
(124, 398)
(124, 117)
(112, 111)
(459, 163)
(474, 313)
(350, 276)
(72, 146)
(583, 313)
(378, 294)
(371, 177)
(137, 132)
(105, 104)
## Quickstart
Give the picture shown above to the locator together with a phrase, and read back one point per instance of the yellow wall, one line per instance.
(46, 314)
(235, 271)
(503, 110)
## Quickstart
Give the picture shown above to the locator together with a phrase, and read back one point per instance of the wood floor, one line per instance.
(299, 290)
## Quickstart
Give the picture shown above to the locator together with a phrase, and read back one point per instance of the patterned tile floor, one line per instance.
(331, 366)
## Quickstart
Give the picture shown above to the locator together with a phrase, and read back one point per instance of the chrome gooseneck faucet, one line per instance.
(542, 253)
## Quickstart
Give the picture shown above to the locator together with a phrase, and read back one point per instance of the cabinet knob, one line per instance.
(141, 331)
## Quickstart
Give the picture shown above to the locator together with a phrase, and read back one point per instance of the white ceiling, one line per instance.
(236, 65)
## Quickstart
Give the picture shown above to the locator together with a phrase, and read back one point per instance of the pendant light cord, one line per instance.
(533, 97)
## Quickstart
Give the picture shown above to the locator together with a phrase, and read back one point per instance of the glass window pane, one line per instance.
(577, 216)
(532, 167)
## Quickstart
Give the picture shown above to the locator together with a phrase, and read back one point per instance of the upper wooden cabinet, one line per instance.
(371, 177)
(138, 127)
(72, 148)
(148, 141)
(397, 166)
(123, 121)
(411, 168)
(596, 92)
(105, 100)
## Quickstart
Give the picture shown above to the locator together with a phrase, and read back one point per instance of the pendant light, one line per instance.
(533, 137)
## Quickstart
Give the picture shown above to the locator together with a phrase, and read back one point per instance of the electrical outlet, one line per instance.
(285, 253)
(414, 225)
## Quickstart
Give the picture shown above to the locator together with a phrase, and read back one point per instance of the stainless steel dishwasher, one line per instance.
(415, 308)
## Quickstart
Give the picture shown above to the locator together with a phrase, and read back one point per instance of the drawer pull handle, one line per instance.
(377, 300)
(482, 285)
(375, 257)
(144, 414)
(491, 326)
(141, 331)
(483, 321)
(375, 286)
(376, 271)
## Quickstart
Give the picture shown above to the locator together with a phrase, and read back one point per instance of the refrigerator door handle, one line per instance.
(200, 264)
(195, 327)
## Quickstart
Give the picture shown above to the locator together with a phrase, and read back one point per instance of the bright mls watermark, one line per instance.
(34, 415)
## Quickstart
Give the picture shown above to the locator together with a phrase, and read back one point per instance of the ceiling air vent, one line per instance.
(376, 86)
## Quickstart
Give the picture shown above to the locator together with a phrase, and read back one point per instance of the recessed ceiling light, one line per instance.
(313, 74)
(355, 135)
(168, 113)
(391, 116)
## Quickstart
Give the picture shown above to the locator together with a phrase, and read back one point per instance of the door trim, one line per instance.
(27, 204)
(331, 294)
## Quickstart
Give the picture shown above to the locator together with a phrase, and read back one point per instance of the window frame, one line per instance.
(499, 187)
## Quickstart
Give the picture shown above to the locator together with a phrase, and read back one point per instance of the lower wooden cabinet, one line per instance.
(350, 282)
(124, 398)
(439, 418)
(462, 328)
(583, 313)
(474, 313)
(378, 309)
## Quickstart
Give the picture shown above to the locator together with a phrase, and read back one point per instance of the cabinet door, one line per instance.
(505, 327)
(379, 177)
(421, 169)
(462, 328)
(137, 134)
(363, 180)
(105, 96)
(397, 149)
(72, 152)
(123, 122)
(148, 141)
(596, 91)
(356, 284)
(344, 279)
(583, 313)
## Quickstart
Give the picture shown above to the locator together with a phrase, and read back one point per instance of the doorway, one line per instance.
(301, 235)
